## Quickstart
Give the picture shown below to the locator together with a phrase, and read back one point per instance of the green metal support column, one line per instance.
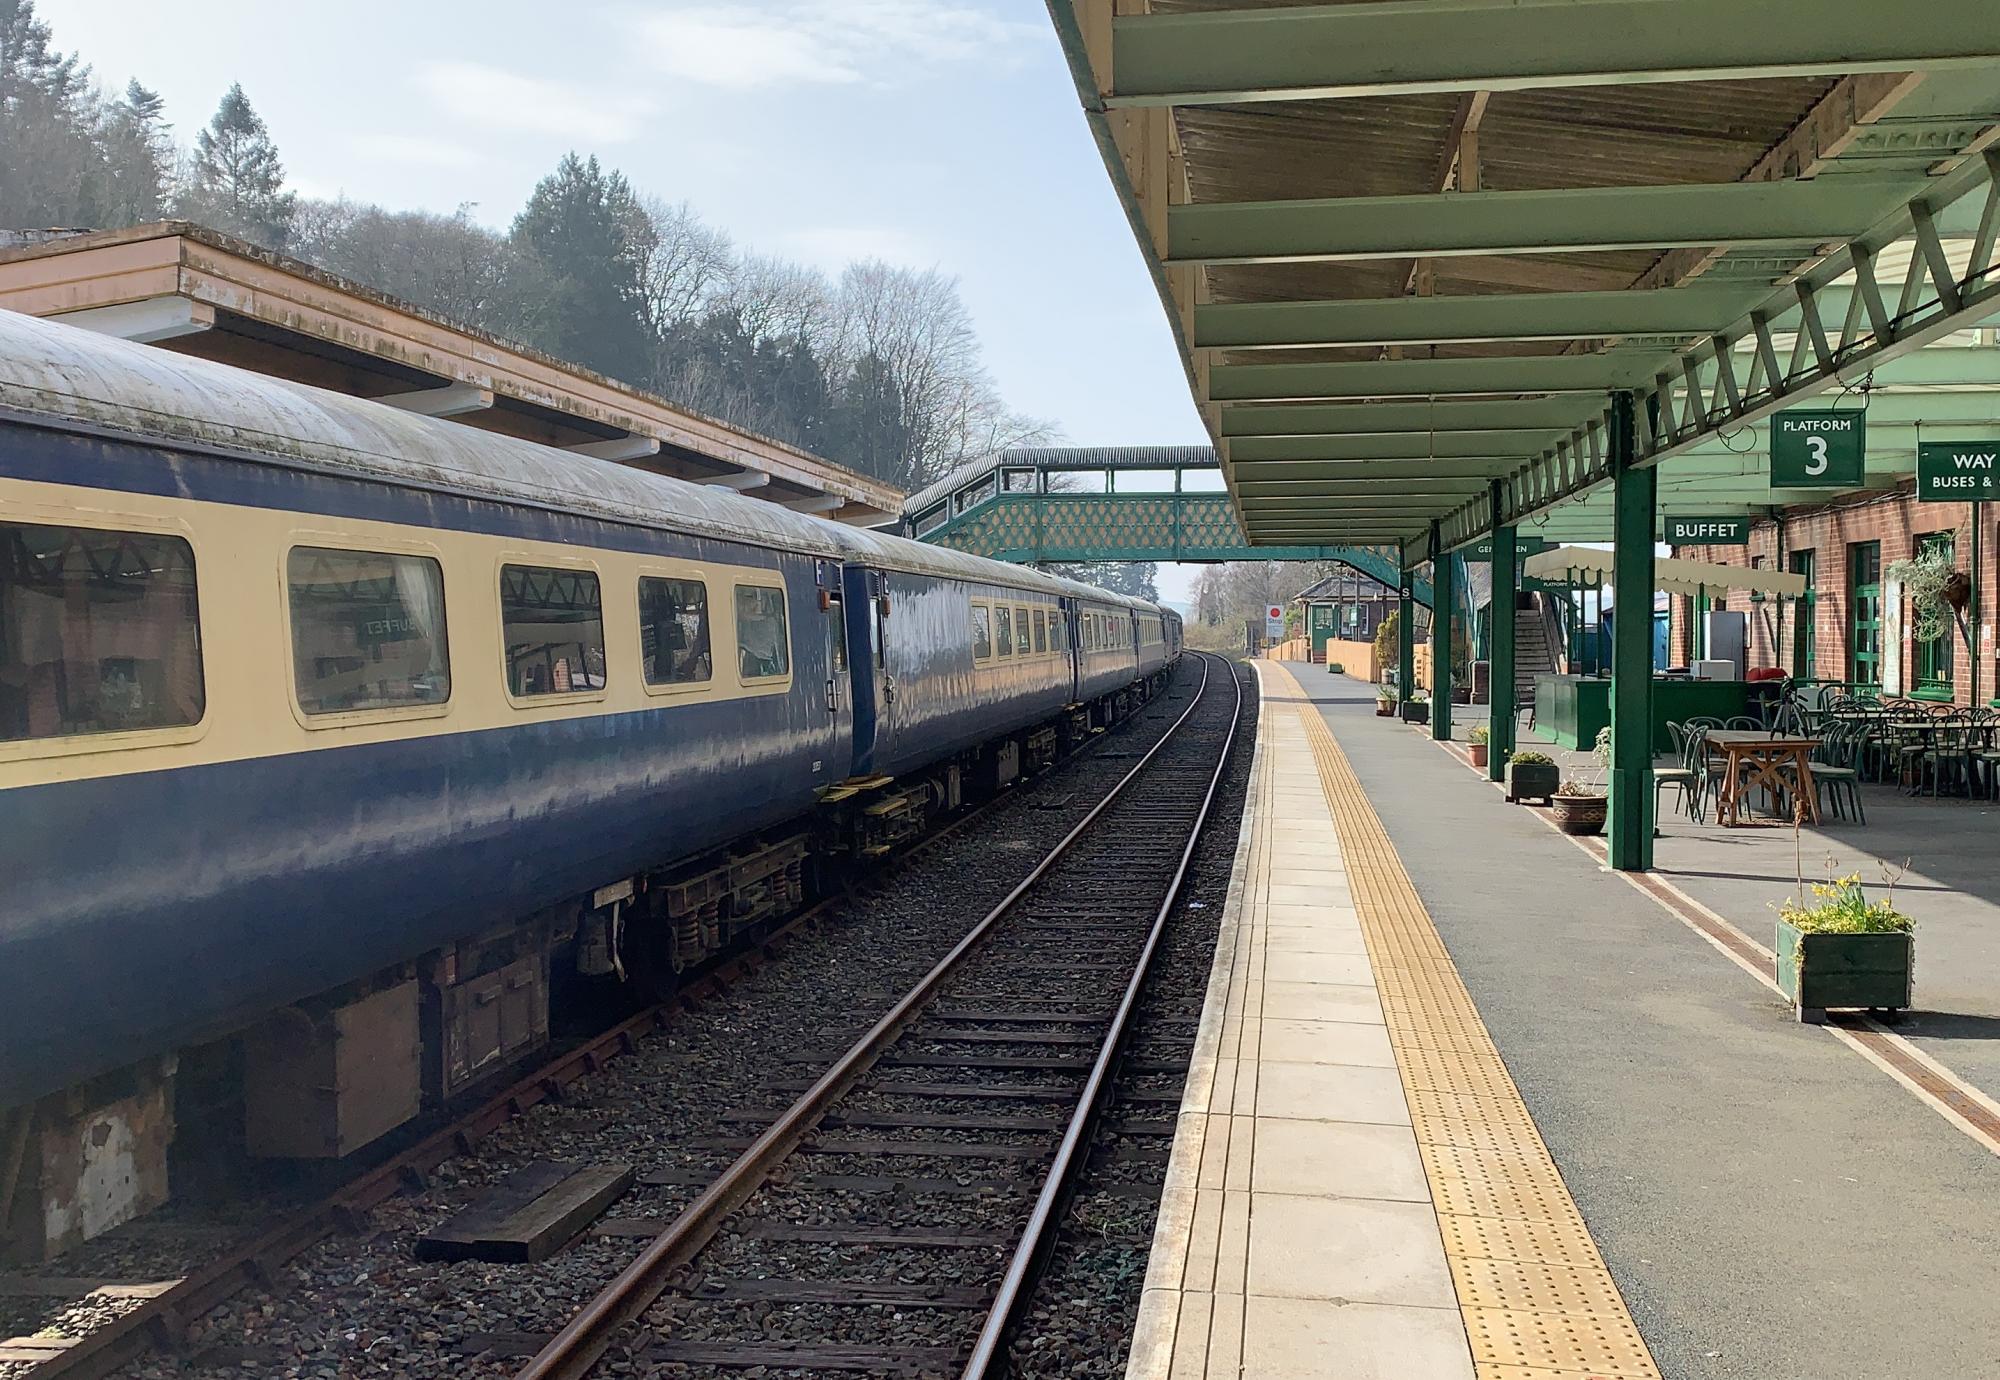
(1406, 641)
(1500, 684)
(1444, 600)
(1636, 491)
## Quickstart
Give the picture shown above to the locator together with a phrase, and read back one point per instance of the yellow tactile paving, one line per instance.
(1537, 1300)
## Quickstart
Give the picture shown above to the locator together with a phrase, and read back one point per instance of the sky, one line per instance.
(933, 133)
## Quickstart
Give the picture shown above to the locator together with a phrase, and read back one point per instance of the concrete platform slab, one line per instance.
(1347, 1142)
(1769, 1203)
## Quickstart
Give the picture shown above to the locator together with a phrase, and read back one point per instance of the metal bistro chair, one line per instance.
(1834, 770)
(1682, 776)
(1949, 754)
(1709, 769)
(1985, 752)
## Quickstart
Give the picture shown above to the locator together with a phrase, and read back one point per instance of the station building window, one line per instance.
(763, 646)
(673, 632)
(552, 620)
(1003, 630)
(98, 632)
(982, 635)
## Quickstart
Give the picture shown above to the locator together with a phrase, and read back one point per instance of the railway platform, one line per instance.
(1465, 1103)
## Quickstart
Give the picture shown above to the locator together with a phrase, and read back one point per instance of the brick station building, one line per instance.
(1847, 628)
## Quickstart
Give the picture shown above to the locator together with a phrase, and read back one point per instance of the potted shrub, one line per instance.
(1480, 738)
(1531, 776)
(1580, 805)
(1844, 950)
(1385, 702)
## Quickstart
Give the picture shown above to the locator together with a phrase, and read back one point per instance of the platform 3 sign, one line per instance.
(1958, 471)
(1818, 448)
(1705, 531)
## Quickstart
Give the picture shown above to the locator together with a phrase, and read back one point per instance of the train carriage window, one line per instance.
(763, 648)
(673, 632)
(98, 632)
(368, 630)
(552, 619)
(1021, 630)
(1003, 630)
(982, 637)
(1041, 631)
(1056, 642)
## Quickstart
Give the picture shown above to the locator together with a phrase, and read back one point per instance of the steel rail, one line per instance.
(574, 1351)
(987, 1354)
(160, 1323)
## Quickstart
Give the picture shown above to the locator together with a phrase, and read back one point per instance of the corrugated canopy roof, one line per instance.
(1411, 252)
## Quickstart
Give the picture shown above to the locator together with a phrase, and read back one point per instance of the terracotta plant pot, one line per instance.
(1579, 814)
(1385, 709)
(1477, 752)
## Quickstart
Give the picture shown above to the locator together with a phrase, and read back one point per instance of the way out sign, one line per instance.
(1958, 471)
(1814, 448)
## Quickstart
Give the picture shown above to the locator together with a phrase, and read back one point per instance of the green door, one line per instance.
(1864, 618)
(1805, 625)
(1934, 654)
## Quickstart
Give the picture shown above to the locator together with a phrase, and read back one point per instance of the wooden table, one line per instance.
(1752, 759)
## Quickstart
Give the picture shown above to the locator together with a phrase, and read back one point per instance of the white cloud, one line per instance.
(414, 151)
(823, 42)
(495, 99)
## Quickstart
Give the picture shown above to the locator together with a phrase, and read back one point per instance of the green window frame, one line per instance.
(1805, 617)
(1864, 612)
(1933, 657)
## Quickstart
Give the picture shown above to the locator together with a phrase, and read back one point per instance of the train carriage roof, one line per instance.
(74, 379)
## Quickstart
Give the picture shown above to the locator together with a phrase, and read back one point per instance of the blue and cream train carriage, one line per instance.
(315, 707)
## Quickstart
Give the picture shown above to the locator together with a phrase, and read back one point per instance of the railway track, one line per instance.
(165, 1318)
(919, 1177)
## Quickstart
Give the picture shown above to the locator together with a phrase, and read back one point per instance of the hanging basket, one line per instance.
(1958, 590)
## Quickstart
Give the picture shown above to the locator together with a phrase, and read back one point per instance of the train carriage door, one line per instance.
(873, 686)
(839, 696)
(1070, 642)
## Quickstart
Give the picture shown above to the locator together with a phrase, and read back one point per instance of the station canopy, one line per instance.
(1591, 566)
(1421, 259)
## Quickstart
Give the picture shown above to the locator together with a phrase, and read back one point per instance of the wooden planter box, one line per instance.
(1580, 814)
(1532, 780)
(1416, 711)
(1817, 971)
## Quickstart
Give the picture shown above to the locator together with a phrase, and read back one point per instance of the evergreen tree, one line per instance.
(238, 184)
(1136, 578)
(138, 157)
(51, 170)
(870, 428)
(582, 225)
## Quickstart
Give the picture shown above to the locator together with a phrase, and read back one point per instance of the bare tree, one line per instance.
(684, 263)
(917, 326)
(450, 264)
